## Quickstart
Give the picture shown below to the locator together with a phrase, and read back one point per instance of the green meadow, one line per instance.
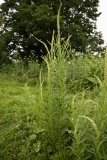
(56, 110)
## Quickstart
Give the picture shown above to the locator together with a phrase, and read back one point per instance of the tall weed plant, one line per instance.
(54, 102)
(89, 120)
(59, 120)
(72, 130)
(82, 72)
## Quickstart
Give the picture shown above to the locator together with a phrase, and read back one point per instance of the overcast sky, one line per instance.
(101, 22)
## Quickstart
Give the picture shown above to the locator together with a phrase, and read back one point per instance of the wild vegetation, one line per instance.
(55, 110)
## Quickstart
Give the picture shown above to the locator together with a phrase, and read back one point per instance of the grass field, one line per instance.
(55, 116)
(57, 111)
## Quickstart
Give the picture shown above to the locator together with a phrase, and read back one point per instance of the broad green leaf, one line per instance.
(36, 146)
(92, 79)
(37, 128)
(32, 137)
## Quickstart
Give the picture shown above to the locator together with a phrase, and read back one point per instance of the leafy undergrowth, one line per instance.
(69, 127)
(55, 118)
(62, 117)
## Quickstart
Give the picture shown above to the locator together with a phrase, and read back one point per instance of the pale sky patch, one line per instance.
(101, 22)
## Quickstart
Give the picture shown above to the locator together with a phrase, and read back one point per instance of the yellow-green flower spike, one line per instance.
(105, 67)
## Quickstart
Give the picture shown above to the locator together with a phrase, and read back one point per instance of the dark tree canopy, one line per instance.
(4, 57)
(26, 19)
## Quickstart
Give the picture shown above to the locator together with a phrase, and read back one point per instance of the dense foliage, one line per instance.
(4, 57)
(57, 114)
(26, 19)
(55, 110)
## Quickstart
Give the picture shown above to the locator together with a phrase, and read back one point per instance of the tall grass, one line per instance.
(75, 130)
(105, 68)
(62, 117)
(54, 102)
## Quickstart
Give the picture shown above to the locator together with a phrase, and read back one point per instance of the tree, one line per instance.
(26, 19)
(4, 57)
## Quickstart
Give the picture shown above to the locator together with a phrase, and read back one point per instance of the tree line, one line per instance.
(22, 21)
